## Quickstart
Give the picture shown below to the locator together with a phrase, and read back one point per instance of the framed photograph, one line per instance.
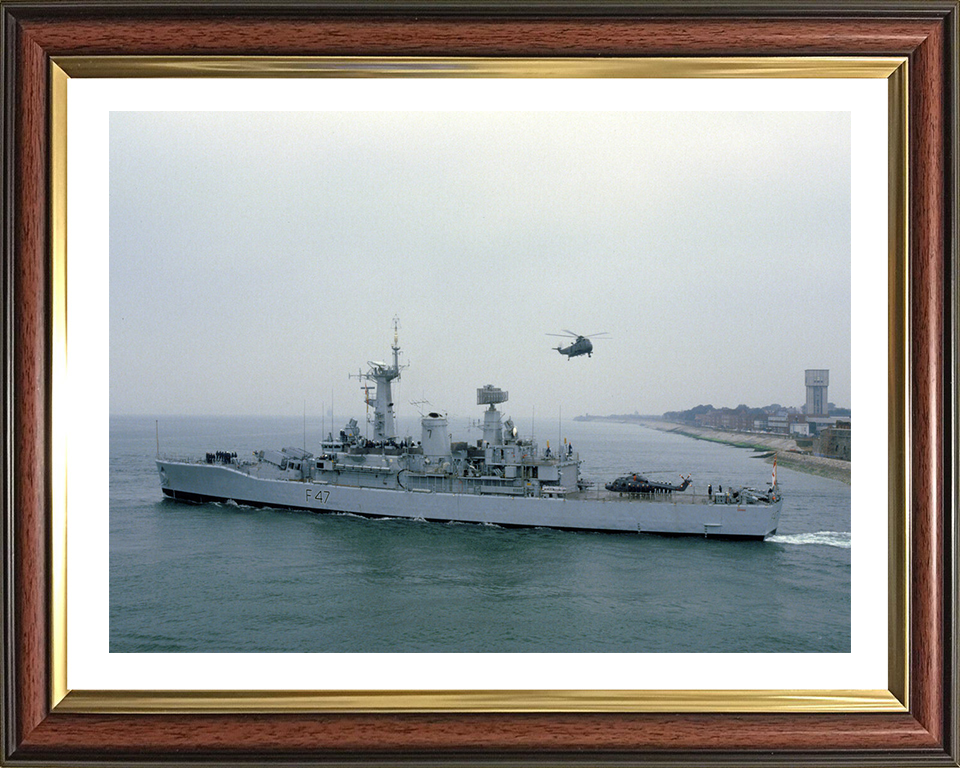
(192, 191)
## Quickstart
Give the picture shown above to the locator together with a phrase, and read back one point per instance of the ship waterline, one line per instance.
(576, 511)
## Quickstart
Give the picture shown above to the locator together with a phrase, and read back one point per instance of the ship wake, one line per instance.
(839, 539)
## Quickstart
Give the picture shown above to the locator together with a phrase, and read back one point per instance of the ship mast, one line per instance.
(384, 414)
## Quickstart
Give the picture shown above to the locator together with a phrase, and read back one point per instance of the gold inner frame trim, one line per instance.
(898, 415)
(439, 67)
(58, 395)
(893, 69)
(435, 701)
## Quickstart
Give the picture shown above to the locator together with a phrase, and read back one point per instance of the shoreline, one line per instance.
(785, 448)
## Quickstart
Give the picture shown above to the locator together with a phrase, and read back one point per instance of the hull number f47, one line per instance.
(322, 496)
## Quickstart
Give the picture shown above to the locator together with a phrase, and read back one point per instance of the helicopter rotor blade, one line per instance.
(571, 333)
(561, 335)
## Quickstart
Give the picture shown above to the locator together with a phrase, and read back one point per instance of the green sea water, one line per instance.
(225, 578)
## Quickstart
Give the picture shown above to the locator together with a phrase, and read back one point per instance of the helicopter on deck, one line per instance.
(637, 483)
(581, 344)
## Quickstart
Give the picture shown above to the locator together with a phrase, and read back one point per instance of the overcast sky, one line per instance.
(256, 259)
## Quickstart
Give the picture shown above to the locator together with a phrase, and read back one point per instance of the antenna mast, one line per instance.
(382, 374)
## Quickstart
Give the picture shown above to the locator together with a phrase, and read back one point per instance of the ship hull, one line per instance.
(196, 482)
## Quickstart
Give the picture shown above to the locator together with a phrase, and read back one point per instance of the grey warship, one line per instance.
(502, 479)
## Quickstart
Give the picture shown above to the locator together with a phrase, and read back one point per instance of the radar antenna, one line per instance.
(491, 395)
(492, 426)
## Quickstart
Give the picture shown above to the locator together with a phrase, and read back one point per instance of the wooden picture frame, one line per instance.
(38, 731)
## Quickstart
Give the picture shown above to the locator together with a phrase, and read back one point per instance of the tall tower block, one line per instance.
(817, 381)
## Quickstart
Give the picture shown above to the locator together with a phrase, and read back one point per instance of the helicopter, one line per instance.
(637, 483)
(580, 346)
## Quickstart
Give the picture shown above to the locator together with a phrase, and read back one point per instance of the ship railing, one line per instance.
(182, 459)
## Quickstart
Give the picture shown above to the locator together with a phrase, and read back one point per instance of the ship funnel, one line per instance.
(434, 438)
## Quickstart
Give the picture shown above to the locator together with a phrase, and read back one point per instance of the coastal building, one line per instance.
(834, 442)
(817, 381)
(799, 428)
(779, 422)
(733, 419)
(820, 422)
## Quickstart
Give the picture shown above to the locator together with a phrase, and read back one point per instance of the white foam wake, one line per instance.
(824, 538)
